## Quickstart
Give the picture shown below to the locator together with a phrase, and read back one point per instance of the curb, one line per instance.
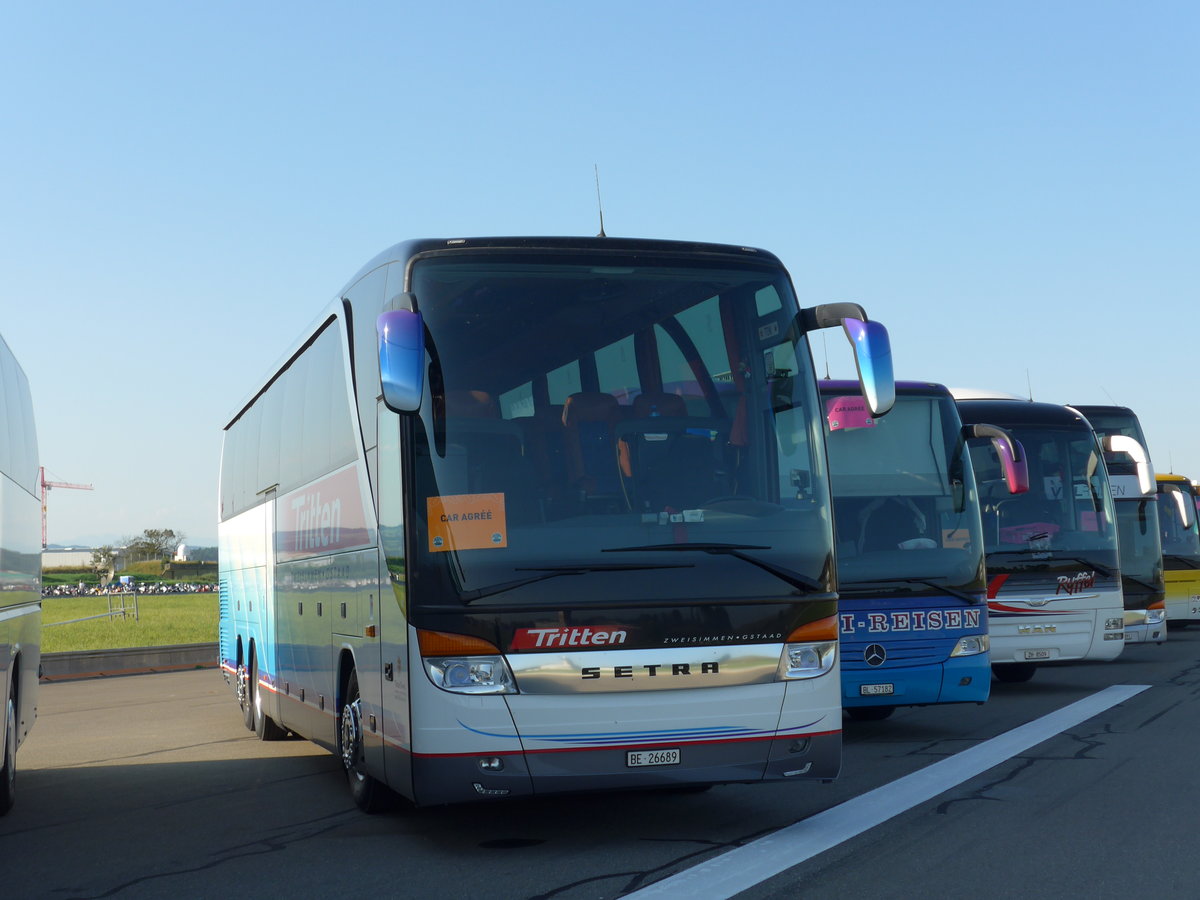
(130, 661)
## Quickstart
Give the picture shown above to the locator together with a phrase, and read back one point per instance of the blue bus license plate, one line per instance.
(635, 758)
(874, 690)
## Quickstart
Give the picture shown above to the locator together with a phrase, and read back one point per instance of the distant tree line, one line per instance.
(152, 545)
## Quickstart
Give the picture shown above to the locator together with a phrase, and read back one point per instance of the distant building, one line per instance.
(182, 553)
(77, 557)
(68, 557)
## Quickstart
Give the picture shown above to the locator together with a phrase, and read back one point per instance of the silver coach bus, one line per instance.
(20, 567)
(529, 515)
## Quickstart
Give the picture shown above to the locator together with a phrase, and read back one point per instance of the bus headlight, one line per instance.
(972, 645)
(1155, 616)
(471, 674)
(1114, 624)
(807, 660)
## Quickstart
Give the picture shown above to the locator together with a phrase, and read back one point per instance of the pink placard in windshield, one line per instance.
(848, 412)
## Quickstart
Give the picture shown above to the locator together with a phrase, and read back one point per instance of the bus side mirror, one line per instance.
(1010, 453)
(401, 359)
(873, 357)
(872, 350)
(1184, 507)
(1121, 443)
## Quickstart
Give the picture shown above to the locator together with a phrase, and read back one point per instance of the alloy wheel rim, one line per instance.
(351, 736)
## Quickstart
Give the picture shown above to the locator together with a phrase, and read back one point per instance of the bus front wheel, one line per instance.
(8, 775)
(369, 794)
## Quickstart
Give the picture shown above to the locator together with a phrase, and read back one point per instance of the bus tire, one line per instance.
(263, 725)
(8, 774)
(1014, 673)
(869, 713)
(369, 794)
(245, 694)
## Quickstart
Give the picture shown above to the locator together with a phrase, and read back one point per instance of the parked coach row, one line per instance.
(528, 515)
(519, 516)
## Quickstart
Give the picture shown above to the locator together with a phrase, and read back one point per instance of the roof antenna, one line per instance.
(1109, 396)
(825, 347)
(1029, 384)
(599, 205)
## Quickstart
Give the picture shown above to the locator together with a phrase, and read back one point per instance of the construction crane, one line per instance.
(46, 485)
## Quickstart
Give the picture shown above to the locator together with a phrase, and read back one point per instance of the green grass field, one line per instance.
(170, 619)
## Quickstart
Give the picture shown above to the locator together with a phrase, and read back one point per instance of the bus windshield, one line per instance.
(1178, 540)
(1068, 505)
(1141, 549)
(905, 503)
(586, 419)
(1110, 420)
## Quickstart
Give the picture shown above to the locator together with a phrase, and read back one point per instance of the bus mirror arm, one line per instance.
(830, 315)
(401, 358)
(1010, 453)
(405, 301)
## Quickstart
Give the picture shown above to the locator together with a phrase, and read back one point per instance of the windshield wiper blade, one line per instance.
(928, 582)
(555, 571)
(1103, 570)
(1055, 557)
(795, 579)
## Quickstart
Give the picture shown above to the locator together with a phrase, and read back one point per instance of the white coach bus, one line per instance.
(20, 567)
(529, 515)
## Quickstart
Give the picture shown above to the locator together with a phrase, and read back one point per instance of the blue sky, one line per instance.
(1011, 188)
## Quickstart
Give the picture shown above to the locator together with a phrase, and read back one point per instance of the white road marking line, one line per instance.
(742, 868)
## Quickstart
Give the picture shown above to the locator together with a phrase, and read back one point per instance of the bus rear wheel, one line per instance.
(8, 774)
(245, 696)
(369, 794)
(869, 713)
(1014, 673)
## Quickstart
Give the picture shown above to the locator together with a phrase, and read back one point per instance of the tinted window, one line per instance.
(299, 429)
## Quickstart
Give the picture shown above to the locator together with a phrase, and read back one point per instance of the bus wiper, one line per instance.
(928, 582)
(795, 579)
(555, 571)
(1103, 570)
(1053, 556)
(1191, 563)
